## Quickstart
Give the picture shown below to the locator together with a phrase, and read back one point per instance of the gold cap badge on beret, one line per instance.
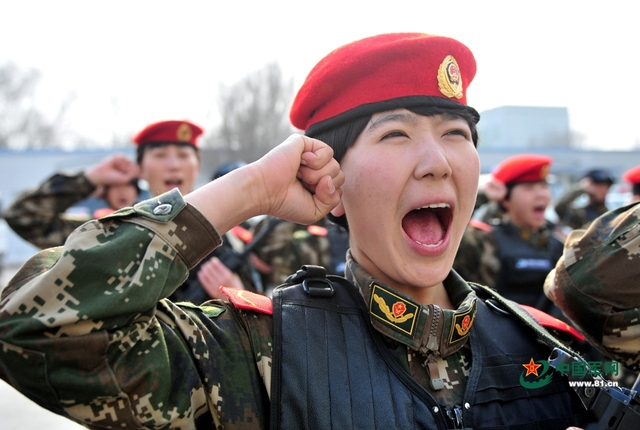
(183, 133)
(449, 78)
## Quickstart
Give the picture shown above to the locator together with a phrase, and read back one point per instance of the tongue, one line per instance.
(423, 226)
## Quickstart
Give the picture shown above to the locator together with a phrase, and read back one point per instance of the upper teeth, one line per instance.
(435, 205)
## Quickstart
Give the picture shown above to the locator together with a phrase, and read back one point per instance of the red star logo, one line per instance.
(399, 308)
(532, 367)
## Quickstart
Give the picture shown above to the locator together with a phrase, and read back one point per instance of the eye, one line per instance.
(394, 133)
(459, 132)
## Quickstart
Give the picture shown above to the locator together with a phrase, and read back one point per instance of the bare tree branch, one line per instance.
(254, 114)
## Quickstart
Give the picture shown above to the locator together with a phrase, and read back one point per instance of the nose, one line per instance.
(172, 161)
(432, 160)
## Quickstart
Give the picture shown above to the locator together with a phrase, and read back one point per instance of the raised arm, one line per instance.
(298, 180)
(102, 346)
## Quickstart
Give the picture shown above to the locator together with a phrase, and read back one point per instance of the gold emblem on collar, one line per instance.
(183, 134)
(395, 311)
(461, 324)
(449, 78)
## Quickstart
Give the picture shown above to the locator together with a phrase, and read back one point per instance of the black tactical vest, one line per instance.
(333, 370)
(524, 268)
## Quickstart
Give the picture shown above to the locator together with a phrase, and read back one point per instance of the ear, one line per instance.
(338, 210)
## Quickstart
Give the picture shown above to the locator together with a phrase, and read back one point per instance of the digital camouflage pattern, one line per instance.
(38, 216)
(101, 346)
(104, 348)
(288, 246)
(597, 283)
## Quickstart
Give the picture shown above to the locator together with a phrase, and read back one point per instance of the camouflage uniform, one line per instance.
(596, 283)
(477, 258)
(288, 246)
(39, 217)
(575, 216)
(103, 347)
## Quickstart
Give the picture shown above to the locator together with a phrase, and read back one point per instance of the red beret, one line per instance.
(522, 168)
(384, 72)
(632, 175)
(169, 132)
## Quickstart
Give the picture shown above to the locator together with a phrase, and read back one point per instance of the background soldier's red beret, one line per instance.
(632, 175)
(523, 168)
(169, 132)
(384, 72)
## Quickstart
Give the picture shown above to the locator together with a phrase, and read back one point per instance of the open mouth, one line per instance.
(428, 225)
(539, 210)
(173, 183)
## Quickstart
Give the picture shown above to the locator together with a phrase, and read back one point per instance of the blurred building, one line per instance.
(524, 128)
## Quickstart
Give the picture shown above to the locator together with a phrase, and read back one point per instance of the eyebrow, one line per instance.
(404, 117)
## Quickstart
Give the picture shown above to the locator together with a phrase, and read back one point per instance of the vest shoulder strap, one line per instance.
(537, 320)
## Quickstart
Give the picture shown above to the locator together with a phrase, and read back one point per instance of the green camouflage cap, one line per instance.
(597, 283)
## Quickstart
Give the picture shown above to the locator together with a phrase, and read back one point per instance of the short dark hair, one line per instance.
(341, 137)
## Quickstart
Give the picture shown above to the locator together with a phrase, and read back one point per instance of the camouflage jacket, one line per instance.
(287, 246)
(103, 347)
(38, 215)
(597, 283)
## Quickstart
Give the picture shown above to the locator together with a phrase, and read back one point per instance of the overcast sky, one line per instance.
(128, 63)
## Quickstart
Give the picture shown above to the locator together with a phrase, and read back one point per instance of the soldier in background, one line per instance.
(514, 253)
(287, 246)
(632, 176)
(40, 216)
(595, 184)
(169, 157)
(166, 157)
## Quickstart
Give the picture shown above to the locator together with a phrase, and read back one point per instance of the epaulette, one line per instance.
(242, 233)
(543, 328)
(476, 223)
(552, 323)
(317, 230)
(99, 213)
(248, 300)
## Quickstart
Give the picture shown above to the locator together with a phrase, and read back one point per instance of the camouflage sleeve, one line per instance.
(477, 258)
(596, 283)
(102, 346)
(37, 215)
(563, 207)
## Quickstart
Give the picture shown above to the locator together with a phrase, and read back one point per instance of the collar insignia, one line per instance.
(449, 78)
(461, 324)
(393, 310)
(183, 134)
